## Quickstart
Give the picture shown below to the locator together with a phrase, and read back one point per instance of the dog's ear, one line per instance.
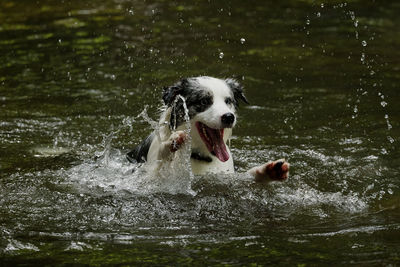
(237, 90)
(170, 93)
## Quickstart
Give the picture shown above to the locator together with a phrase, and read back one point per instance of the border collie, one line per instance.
(209, 106)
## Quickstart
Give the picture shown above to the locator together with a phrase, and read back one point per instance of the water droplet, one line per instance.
(383, 104)
(59, 41)
(322, 5)
(391, 140)
(308, 22)
(221, 55)
(113, 77)
(318, 14)
(372, 73)
(362, 57)
(389, 126)
(352, 15)
(356, 23)
(242, 40)
(131, 12)
(364, 43)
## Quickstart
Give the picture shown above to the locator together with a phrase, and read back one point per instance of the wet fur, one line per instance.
(207, 99)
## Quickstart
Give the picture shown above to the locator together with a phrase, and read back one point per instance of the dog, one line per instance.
(208, 105)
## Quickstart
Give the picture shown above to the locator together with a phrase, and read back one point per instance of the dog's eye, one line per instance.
(228, 100)
(204, 102)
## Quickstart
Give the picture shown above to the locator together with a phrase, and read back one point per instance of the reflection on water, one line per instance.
(322, 81)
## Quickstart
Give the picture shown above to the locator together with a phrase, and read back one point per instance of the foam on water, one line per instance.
(307, 187)
(15, 246)
(111, 170)
(113, 174)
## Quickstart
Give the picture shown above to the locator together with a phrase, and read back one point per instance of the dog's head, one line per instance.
(211, 104)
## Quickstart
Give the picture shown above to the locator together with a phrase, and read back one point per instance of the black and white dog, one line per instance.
(209, 104)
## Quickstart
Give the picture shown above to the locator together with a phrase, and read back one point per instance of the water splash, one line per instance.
(236, 191)
(174, 175)
(111, 170)
(14, 246)
(364, 43)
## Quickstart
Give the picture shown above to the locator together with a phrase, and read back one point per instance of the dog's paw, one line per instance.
(177, 139)
(272, 171)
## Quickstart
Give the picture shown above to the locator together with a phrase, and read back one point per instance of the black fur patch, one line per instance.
(197, 100)
(237, 90)
(139, 153)
(200, 157)
(171, 92)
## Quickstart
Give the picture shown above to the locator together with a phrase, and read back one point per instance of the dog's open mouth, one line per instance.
(213, 138)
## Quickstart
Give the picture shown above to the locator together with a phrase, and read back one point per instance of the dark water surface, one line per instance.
(322, 79)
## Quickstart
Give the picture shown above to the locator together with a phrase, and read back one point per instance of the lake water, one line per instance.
(323, 83)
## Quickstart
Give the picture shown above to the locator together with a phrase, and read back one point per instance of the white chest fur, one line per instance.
(215, 166)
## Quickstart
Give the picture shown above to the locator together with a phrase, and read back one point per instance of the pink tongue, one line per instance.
(221, 152)
(219, 146)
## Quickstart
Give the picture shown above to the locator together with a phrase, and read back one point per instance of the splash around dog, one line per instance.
(209, 106)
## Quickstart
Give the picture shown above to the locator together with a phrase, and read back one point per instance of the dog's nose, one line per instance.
(228, 119)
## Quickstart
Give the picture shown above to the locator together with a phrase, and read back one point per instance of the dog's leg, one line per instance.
(272, 171)
(174, 142)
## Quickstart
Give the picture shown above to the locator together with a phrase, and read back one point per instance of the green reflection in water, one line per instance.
(323, 85)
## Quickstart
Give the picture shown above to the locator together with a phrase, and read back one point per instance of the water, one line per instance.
(322, 80)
